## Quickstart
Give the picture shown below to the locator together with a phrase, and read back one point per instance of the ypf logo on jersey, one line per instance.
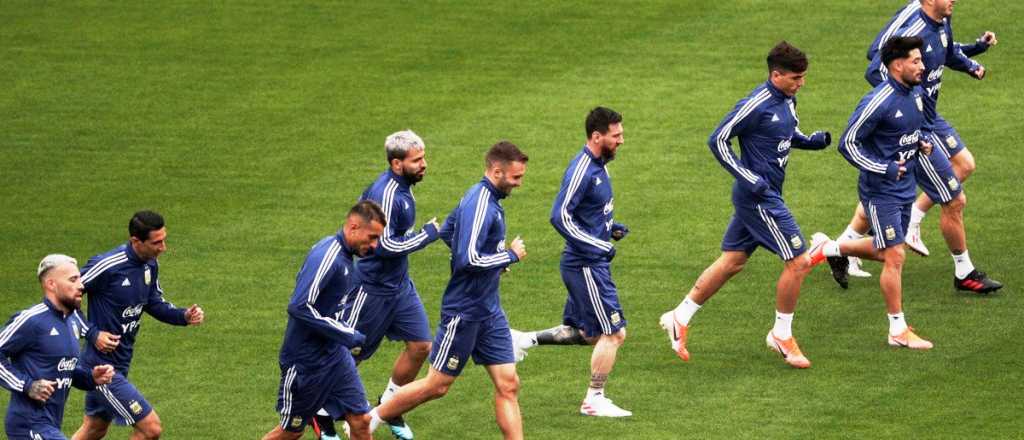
(147, 277)
(890, 233)
(796, 241)
(453, 363)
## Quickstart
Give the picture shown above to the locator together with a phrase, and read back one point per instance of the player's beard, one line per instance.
(412, 175)
(608, 153)
(913, 80)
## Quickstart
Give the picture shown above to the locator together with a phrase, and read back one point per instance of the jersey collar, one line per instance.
(340, 236)
(402, 181)
(130, 252)
(54, 308)
(928, 19)
(775, 91)
(493, 189)
(898, 86)
(599, 160)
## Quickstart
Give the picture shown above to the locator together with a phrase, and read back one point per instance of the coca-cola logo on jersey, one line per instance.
(67, 364)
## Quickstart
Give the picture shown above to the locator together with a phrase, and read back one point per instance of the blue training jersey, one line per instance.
(314, 337)
(475, 231)
(40, 342)
(767, 126)
(886, 127)
(583, 211)
(386, 272)
(939, 51)
(120, 286)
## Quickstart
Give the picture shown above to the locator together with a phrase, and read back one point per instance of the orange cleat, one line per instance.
(817, 253)
(789, 350)
(909, 339)
(676, 334)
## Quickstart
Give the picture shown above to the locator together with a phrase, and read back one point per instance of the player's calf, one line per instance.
(149, 428)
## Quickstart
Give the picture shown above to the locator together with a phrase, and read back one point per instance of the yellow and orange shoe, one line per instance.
(789, 350)
(909, 339)
(676, 334)
(816, 255)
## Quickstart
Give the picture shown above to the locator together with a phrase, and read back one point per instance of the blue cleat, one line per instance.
(401, 431)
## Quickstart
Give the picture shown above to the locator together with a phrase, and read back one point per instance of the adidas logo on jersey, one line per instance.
(126, 283)
(775, 117)
(597, 181)
(54, 332)
(899, 114)
(929, 49)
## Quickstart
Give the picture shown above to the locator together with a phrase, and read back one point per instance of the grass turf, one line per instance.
(253, 126)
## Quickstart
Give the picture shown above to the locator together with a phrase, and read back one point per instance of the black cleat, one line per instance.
(977, 282)
(839, 266)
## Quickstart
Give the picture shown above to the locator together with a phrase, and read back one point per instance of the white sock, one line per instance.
(916, 215)
(783, 325)
(685, 311)
(389, 392)
(963, 265)
(897, 323)
(831, 249)
(591, 392)
(849, 234)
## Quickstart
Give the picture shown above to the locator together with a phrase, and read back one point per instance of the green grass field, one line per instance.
(253, 126)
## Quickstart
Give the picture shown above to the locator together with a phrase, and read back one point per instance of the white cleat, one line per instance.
(914, 242)
(600, 406)
(854, 270)
(520, 343)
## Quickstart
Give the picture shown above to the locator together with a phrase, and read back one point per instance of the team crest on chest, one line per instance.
(920, 104)
(945, 41)
(147, 276)
(890, 233)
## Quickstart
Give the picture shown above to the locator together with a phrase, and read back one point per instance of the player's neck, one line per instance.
(932, 13)
(52, 297)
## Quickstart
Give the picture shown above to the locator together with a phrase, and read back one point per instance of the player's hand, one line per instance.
(619, 231)
(433, 221)
(902, 169)
(518, 247)
(107, 342)
(979, 72)
(925, 147)
(194, 315)
(989, 38)
(102, 374)
(41, 390)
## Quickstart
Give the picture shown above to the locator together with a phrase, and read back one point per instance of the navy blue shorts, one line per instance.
(593, 302)
(35, 432)
(400, 317)
(489, 342)
(119, 401)
(949, 138)
(768, 224)
(304, 391)
(888, 221)
(935, 174)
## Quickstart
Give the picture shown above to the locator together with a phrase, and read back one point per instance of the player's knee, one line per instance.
(359, 424)
(418, 350)
(438, 390)
(150, 427)
(733, 267)
(894, 256)
(508, 388)
(618, 338)
(956, 205)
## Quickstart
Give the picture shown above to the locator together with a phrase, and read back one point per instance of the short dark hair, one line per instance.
(599, 119)
(504, 152)
(897, 48)
(144, 222)
(786, 57)
(369, 211)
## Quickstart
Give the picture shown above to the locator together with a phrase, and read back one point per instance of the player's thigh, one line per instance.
(119, 401)
(737, 238)
(371, 315)
(35, 431)
(594, 300)
(347, 396)
(773, 227)
(934, 174)
(453, 344)
(889, 222)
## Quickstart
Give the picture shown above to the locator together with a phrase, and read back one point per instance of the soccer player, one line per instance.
(39, 354)
(387, 303)
(767, 127)
(882, 139)
(121, 284)
(940, 176)
(582, 214)
(473, 323)
(317, 369)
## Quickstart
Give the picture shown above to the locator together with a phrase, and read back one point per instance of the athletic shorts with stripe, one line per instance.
(950, 140)
(593, 302)
(888, 221)
(767, 223)
(303, 391)
(935, 174)
(119, 401)
(400, 317)
(489, 342)
(35, 431)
